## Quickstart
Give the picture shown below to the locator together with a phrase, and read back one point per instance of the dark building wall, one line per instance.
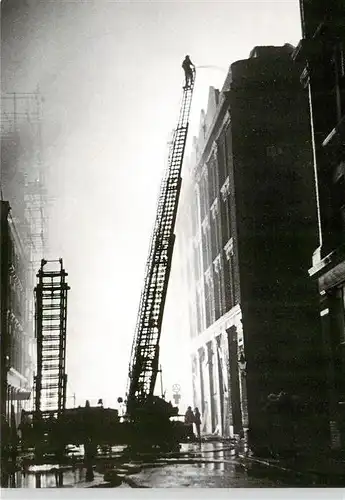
(276, 228)
(322, 53)
(322, 49)
(313, 12)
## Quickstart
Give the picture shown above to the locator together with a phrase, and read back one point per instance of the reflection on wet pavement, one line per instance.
(54, 477)
(206, 465)
(202, 476)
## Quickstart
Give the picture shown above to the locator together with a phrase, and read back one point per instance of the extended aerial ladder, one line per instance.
(143, 367)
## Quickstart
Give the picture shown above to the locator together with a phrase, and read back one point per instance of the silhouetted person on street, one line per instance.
(197, 421)
(189, 416)
(189, 421)
(189, 70)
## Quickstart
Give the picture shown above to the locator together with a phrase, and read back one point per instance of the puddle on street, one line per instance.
(46, 476)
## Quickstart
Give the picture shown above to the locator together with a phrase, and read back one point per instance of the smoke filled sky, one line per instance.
(110, 73)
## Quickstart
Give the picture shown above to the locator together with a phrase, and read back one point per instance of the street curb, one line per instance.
(299, 472)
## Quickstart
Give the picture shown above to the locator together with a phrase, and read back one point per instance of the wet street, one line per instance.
(205, 465)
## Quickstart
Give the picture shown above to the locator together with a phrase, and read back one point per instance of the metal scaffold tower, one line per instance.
(50, 324)
(23, 173)
(145, 350)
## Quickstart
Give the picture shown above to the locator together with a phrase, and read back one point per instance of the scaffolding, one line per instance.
(22, 175)
(50, 329)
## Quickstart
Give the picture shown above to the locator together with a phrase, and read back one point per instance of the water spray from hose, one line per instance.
(219, 68)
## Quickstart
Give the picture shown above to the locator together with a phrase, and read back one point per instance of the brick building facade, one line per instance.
(17, 341)
(247, 225)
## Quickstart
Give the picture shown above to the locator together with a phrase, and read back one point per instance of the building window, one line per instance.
(217, 297)
(225, 189)
(222, 157)
(206, 243)
(196, 261)
(194, 213)
(216, 229)
(216, 224)
(210, 185)
(212, 311)
(201, 355)
(230, 275)
(339, 65)
(218, 232)
(204, 250)
(207, 304)
(213, 175)
(188, 269)
(219, 287)
(213, 236)
(198, 311)
(196, 397)
(225, 216)
(231, 264)
(209, 298)
(338, 198)
(204, 200)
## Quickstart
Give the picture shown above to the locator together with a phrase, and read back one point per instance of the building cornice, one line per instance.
(230, 318)
(329, 270)
(229, 248)
(208, 275)
(205, 225)
(214, 208)
(217, 264)
(16, 379)
(225, 189)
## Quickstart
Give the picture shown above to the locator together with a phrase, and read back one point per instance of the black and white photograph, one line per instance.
(172, 246)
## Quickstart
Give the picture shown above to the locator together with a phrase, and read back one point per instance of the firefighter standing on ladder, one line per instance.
(189, 70)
